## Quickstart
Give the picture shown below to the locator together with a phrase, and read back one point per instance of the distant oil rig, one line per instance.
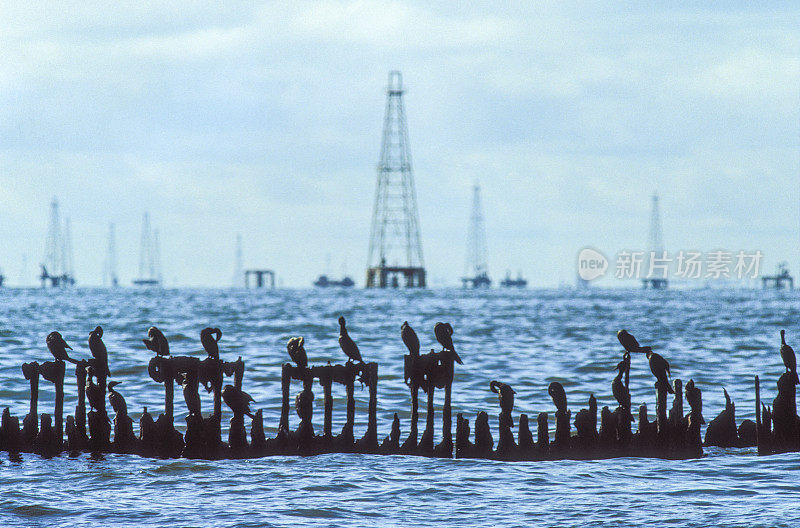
(57, 269)
(149, 257)
(395, 252)
(477, 262)
(656, 248)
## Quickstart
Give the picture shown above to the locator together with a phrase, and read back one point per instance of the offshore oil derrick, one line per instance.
(395, 252)
(149, 257)
(110, 277)
(656, 248)
(57, 269)
(477, 261)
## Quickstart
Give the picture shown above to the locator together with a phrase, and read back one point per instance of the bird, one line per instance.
(116, 399)
(559, 396)
(237, 400)
(410, 339)
(444, 335)
(660, 369)
(348, 345)
(297, 352)
(788, 357)
(156, 342)
(58, 347)
(190, 383)
(630, 343)
(622, 393)
(98, 349)
(94, 393)
(505, 393)
(209, 337)
(694, 399)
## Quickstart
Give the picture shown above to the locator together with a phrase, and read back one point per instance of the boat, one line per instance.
(519, 282)
(324, 282)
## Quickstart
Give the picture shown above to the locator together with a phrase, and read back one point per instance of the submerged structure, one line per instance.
(395, 251)
(597, 433)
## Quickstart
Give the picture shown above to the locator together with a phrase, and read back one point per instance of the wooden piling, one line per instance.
(286, 379)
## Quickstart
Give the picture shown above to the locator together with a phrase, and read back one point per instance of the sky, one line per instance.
(265, 120)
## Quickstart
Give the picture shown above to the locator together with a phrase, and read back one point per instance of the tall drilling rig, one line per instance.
(57, 268)
(395, 252)
(477, 275)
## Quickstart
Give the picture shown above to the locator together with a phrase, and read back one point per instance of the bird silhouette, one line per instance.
(348, 345)
(618, 388)
(189, 382)
(559, 395)
(237, 400)
(660, 369)
(58, 347)
(630, 343)
(505, 394)
(788, 357)
(297, 352)
(95, 394)
(410, 339)
(694, 399)
(156, 342)
(116, 399)
(98, 350)
(444, 335)
(209, 337)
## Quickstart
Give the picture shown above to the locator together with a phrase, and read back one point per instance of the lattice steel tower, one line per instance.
(655, 242)
(395, 251)
(477, 263)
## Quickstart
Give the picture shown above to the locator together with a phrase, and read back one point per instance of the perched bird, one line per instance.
(116, 399)
(630, 343)
(695, 399)
(410, 339)
(348, 345)
(297, 352)
(505, 393)
(788, 357)
(618, 388)
(94, 393)
(209, 337)
(559, 396)
(156, 341)
(237, 400)
(444, 335)
(98, 349)
(190, 383)
(58, 347)
(660, 369)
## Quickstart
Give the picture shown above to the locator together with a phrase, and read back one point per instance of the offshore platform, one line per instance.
(149, 256)
(477, 265)
(57, 269)
(656, 248)
(395, 252)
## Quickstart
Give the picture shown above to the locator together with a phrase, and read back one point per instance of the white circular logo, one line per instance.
(591, 264)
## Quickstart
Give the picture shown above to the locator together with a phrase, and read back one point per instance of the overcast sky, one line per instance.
(267, 121)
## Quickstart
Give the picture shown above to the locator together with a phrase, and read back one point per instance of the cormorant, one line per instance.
(58, 347)
(660, 369)
(505, 394)
(189, 382)
(297, 352)
(209, 337)
(98, 349)
(630, 343)
(348, 345)
(94, 393)
(444, 335)
(621, 393)
(116, 399)
(694, 399)
(788, 357)
(559, 396)
(237, 400)
(410, 339)
(156, 341)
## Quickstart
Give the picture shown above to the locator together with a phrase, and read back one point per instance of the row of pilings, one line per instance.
(598, 433)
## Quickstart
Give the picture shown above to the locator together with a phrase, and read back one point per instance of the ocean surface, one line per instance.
(524, 338)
